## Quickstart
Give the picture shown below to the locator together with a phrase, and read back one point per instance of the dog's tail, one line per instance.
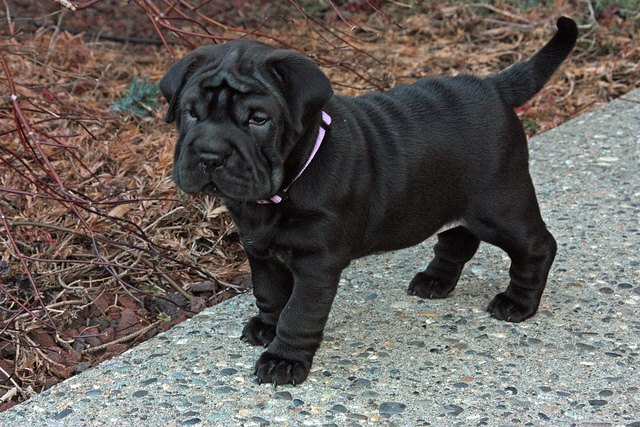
(521, 81)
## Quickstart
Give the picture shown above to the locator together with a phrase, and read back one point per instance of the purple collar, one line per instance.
(280, 196)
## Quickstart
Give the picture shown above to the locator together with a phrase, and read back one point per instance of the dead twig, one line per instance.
(123, 339)
(10, 394)
(499, 12)
(48, 307)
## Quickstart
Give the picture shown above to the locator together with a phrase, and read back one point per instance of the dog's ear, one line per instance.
(305, 87)
(172, 83)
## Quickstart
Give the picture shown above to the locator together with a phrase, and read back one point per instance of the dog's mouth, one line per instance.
(243, 180)
(221, 183)
(211, 189)
(237, 177)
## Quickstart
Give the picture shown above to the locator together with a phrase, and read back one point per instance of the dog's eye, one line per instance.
(258, 119)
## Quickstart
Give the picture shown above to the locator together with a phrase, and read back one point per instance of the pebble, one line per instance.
(339, 408)
(597, 402)
(191, 421)
(260, 421)
(374, 371)
(371, 297)
(82, 366)
(358, 417)
(284, 395)
(511, 390)
(391, 408)
(453, 409)
(199, 399)
(60, 415)
(225, 389)
(140, 393)
(361, 383)
(586, 347)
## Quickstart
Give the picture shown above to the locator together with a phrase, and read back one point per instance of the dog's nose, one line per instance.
(213, 159)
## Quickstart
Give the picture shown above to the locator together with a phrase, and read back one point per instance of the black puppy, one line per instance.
(314, 180)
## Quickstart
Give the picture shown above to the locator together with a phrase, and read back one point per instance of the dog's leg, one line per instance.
(511, 220)
(299, 333)
(454, 248)
(530, 265)
(272, 286)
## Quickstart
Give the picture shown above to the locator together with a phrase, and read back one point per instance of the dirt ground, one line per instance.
(98, 251)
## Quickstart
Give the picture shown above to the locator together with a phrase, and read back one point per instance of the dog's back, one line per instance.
(460, 132)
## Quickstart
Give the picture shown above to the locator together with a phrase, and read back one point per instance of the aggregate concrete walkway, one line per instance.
(391, 359)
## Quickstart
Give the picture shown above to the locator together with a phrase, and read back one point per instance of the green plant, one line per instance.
(530, 126)
(141, 99)
(164, 318)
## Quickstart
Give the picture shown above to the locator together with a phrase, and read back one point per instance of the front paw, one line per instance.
(271, 368)
(425, 285)
(256, 332)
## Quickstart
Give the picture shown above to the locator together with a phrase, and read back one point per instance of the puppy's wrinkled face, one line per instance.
(228, 140)
(236, 122)
(230, 128)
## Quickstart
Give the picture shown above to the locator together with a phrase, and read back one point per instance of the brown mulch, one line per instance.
(112, 251)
